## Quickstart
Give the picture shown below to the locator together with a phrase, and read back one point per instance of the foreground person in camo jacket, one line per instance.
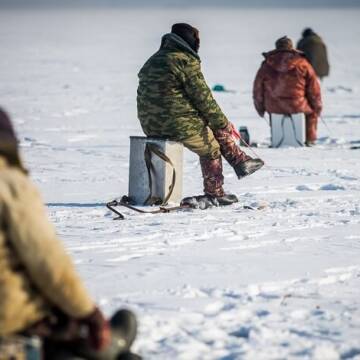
(174, 102)
(41, 294)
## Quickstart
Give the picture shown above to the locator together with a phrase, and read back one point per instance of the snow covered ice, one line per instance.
(280, 283)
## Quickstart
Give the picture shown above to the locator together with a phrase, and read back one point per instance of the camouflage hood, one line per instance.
(174, 42)
(173, 99)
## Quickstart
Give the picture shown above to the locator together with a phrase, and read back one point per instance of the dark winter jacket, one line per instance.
(173, 99)
(286, 84)
(316, 53)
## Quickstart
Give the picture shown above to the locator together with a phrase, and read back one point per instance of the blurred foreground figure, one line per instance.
(174, 102)
(315, 51)
(287, 84)
(42, 299)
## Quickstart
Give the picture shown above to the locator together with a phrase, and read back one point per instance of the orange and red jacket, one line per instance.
(286, 83)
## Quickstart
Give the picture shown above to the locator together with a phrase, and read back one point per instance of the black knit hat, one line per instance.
(307, 32)
(7, 132)
(187, 33)
(284, 43)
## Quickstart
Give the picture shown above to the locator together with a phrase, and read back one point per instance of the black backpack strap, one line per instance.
(151, 148)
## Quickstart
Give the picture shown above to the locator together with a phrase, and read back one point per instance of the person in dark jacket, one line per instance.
(286, 83)
(315, 51)
(174, 102)
(41, 293)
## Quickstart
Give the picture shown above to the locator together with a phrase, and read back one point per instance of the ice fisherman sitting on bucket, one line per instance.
(286, 83)
(174, 102)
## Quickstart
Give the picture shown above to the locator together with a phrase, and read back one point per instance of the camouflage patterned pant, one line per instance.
(212, 145)
(212, 173)
(229, 149)
(203, 144)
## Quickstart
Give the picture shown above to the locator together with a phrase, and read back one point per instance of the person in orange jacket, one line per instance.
(286, 83)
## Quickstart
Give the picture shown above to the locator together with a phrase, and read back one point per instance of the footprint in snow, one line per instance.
(303, 188)
(331, 187)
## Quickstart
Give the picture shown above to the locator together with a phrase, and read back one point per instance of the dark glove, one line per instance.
(99, 333)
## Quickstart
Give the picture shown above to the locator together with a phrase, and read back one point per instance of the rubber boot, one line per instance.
(242, 163)
(248, 167)
(212, 172)
(123, 323)
(123, 332)
(228, 147)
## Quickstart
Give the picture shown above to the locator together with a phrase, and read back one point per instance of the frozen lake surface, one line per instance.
(280, 283)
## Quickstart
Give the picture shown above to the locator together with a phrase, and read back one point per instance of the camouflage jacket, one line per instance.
(173, 98)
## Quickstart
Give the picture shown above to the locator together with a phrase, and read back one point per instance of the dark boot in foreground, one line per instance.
(123, 323)
(212, 172)
(123, 332)
(242, 163)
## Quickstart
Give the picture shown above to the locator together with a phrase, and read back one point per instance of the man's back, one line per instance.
(286, 83)
(164, 109)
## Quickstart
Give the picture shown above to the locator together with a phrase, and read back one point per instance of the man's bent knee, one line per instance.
(204, 144)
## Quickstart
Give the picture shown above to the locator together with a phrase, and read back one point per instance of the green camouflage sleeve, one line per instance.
(201, 97)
